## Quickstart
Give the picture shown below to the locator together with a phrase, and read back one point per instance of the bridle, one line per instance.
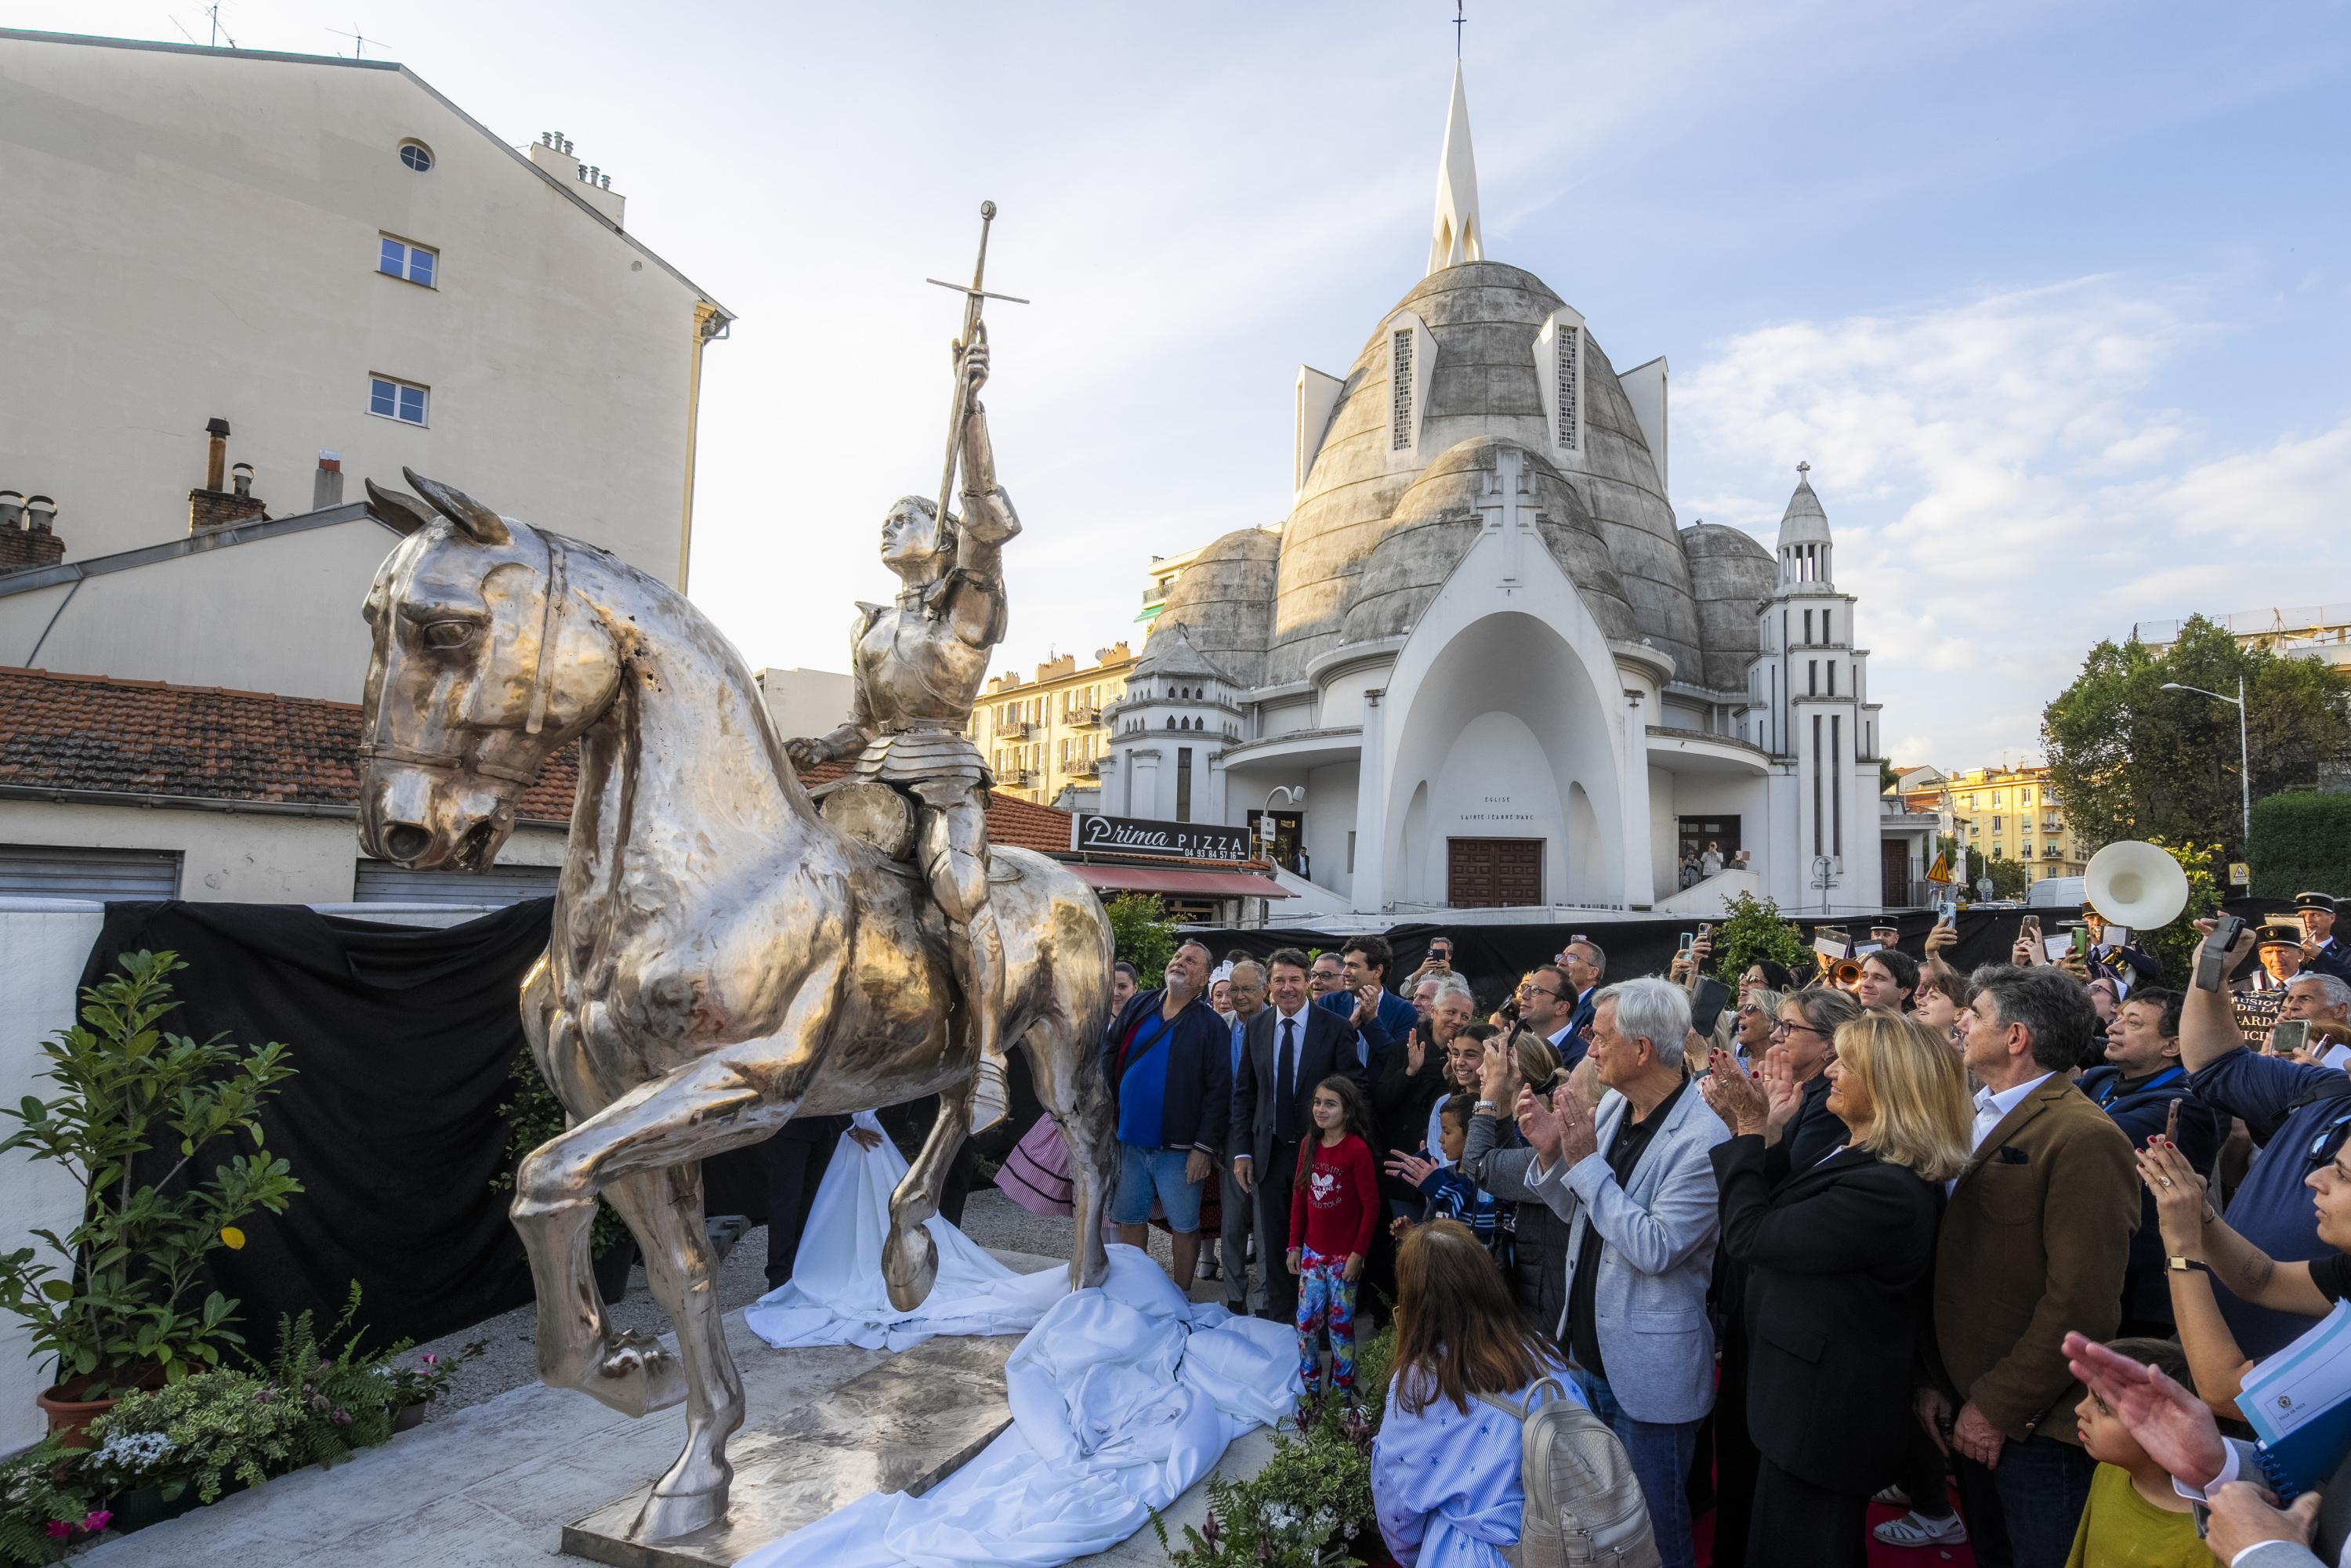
(555, 594)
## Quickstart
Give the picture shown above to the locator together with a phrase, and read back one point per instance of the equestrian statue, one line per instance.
(724, 956)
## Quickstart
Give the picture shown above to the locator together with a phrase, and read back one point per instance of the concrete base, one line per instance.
(900, 1426)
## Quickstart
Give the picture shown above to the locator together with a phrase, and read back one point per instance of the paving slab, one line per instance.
(493, 1485)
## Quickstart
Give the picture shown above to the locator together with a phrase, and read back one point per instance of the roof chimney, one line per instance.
(217, 428)
(327, 484)
(241, 475)
(34, 544)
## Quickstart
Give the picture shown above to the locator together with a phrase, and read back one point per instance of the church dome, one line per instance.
(1731, 574)
(1221, 600)
(1437, 520)
(1480, 320)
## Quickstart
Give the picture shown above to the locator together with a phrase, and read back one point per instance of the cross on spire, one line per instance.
(1459, 7)
(1803, 469)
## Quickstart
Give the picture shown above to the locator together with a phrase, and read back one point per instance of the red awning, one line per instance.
(1172, 880)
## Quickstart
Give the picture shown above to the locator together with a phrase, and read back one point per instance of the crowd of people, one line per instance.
(1999, 1249)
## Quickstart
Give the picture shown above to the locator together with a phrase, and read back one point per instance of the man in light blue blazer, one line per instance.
(1634, 1183)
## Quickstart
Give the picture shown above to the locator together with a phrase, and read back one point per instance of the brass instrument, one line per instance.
(1837, 968)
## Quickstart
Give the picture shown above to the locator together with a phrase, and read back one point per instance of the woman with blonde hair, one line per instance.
(1838, 1258)
(1446, 1483)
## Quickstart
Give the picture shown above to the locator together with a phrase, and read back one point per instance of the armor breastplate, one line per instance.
(914, 668)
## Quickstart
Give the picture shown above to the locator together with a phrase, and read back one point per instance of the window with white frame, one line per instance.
(403, 400)
(414, 263)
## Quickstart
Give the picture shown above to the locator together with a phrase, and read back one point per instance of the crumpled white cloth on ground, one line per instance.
(836, 1294)
(1121, 1397)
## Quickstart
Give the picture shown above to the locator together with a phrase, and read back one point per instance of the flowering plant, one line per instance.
(427, 1379)
(44, 1506)
(120, 1306)
(214, 1426)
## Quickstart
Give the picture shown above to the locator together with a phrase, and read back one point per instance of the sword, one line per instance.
(973, 332)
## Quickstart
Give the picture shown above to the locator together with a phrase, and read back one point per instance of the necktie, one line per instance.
(1285, 1097)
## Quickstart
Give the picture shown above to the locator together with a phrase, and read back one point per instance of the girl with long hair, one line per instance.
(1334, 1210)
(1446, 1483)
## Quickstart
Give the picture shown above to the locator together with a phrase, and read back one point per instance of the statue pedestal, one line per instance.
(901, 1426)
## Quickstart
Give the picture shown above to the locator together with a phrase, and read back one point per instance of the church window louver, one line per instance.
(1568, 337)
(1401, 376)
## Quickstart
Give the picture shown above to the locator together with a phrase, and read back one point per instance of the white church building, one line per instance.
(1481, 666)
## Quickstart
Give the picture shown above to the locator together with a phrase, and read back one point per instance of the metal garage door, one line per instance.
(48, 871)
(380, 882)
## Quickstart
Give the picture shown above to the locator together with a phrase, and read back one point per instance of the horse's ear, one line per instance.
(395, 510)
(484, 526)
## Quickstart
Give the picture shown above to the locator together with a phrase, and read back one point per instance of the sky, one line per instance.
(2052, 297)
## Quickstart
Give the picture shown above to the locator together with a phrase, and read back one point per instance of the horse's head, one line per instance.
(485, 662)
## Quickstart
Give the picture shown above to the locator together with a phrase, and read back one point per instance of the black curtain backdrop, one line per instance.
(1492, 957)
(402, 1039)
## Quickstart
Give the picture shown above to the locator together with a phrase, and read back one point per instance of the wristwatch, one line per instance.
(2181, 1265)
(1485, 1108)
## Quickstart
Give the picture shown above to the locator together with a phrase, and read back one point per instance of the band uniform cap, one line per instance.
(2315, 901)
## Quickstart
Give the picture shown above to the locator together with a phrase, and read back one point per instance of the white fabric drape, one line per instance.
(1121, 1397)
(836, 1295)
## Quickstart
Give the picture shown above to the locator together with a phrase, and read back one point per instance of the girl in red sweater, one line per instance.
(1331, 1212)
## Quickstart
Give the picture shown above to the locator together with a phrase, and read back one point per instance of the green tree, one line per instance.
(1887, 777)
(2009, 878)
(2175, 943)
(1141, 933)
(1753, 930)
(2130, 760)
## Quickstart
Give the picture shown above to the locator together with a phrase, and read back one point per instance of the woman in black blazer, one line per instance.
(1839, 1256)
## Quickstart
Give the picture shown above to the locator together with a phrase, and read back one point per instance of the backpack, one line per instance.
(1584, 1508)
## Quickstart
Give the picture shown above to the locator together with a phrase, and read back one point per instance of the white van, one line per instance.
(2055, 892)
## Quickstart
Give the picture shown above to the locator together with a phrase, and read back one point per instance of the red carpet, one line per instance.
(1880, 1555)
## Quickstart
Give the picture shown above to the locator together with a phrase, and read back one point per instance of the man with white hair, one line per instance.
(1451, 1009)
(1636, 1184)
(2325, 1001)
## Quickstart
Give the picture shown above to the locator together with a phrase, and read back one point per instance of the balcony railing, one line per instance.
(1018, 729)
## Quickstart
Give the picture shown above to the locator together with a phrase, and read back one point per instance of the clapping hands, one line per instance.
(1735, 1097)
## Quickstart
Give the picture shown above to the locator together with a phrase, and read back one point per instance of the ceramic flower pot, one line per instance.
(69, 1419)
(409, 1417)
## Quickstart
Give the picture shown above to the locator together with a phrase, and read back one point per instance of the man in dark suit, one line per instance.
(1292, 1047)
(2124, 964)
(1585, 966)
(2034, 1242)
(2321, 953)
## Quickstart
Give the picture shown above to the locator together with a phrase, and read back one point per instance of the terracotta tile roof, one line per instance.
(143, 738)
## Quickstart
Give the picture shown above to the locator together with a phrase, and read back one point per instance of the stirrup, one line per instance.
(991, 1098)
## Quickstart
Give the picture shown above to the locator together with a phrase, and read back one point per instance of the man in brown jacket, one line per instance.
(2034, 1244)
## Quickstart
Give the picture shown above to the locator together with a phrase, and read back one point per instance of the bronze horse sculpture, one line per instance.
(722, 959)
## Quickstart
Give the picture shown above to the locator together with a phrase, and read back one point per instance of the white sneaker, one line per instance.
(990, 1099)
(1914, 1530)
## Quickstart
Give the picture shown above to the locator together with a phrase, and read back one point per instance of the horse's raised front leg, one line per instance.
(665, 1210)
(705, 1107)
(910, 1258)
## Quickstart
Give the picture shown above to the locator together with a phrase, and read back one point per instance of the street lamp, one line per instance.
(2244, 747)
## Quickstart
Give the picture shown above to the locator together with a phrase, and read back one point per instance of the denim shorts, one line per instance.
(1143, 1174)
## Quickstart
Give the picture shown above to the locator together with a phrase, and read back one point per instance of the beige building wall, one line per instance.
(195, 233)
(245, 856)
(2012, 813)
(1043, 736)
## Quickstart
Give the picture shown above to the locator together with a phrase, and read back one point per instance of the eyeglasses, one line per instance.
(1534, 990)
(1781, 1026)
(2329, 1143)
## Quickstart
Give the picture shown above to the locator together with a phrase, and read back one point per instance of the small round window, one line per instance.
(416, 155)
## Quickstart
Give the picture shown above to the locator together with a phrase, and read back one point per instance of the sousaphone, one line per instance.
(2135, 883)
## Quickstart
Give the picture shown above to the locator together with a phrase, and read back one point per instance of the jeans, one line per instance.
(1660, 1452)
(2024, 1514)
(1143, 1174)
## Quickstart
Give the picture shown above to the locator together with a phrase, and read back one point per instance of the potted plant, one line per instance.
(535, 1116)
(117, 1303)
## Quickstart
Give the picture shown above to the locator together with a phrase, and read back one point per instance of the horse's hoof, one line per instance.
(637, 1375)
(910, 1265)
(667, 1516)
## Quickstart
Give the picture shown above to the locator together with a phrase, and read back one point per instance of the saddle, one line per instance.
(878, 816)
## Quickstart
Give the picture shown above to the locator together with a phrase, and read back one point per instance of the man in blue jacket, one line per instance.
(1169, 1057)
(1379, 1017)
(2142, 1077)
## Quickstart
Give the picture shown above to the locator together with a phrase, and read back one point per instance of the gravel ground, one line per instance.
(990, 1218)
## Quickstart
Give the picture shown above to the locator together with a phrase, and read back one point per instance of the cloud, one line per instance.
(2007, 485)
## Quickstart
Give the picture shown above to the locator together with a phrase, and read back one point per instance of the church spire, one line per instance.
(1459, 233)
